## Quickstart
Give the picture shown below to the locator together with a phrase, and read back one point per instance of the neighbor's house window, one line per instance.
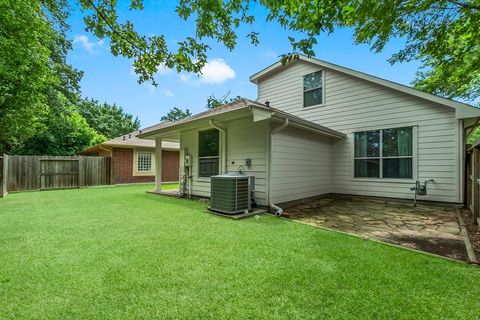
(386, 153)
(208, 152)
(144, 161)
(313, 89)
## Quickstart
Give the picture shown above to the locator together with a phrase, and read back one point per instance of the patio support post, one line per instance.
(158, 164)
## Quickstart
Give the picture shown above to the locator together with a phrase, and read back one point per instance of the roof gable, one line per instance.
(463, 110)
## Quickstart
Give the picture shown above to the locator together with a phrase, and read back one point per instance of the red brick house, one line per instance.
(133, 159)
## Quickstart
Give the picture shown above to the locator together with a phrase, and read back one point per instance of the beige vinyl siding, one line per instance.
(301, 165)
(353, 104)
(245, 140)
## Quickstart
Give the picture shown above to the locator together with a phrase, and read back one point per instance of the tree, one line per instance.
(176, 114)
(39, 90)
(24, 77)
(108, 120)
(443, 34)
(215, 102)
(65, 133)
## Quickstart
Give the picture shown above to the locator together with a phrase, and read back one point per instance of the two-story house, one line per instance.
(319, 128)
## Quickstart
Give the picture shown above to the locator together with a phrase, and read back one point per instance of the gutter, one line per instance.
(224, 143)
(105, 149)
(276, 209)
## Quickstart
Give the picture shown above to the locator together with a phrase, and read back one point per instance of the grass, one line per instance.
(168, 186)
(119, 253)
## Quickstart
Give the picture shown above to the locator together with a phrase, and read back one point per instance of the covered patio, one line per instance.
(429, 228)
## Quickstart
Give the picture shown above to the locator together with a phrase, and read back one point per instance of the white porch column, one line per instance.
(158, 164)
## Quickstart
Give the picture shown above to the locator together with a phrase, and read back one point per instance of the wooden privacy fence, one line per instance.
(3, 177)
(472, 193)
(22, 173)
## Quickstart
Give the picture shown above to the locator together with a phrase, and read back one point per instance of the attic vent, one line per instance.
(124, 138)
(129, 136)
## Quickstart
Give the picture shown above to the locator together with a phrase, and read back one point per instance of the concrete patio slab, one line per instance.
(428, 228)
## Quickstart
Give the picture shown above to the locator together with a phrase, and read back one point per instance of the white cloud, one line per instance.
(188, 79)
(167, 93)
(86, 44)
(162, 69)
(271, 55)
(216, 71)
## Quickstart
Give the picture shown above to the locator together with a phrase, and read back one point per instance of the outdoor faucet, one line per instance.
(420, 189)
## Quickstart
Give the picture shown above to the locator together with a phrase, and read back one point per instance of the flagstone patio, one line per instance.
(424, 227)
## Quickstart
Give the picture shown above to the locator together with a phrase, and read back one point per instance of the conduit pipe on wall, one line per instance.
(274, 208)
(224, 144)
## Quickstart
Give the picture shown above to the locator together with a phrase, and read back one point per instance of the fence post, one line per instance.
(475, 184)
(1, 177)
(3, 182)
(81, 172)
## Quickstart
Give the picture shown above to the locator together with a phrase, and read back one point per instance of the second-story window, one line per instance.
(313, 90)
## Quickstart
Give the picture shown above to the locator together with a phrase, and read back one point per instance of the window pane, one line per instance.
(397, 168)
(397, 142)
(312, 97)
(208, 144)
(144, 161)
(312, 81)
(367, 144)
(368, 168)
(208, 167)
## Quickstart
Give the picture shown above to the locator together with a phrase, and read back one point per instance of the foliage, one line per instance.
(39, 90)
(108, 120)
(64, 132)
(24, 77)
(444, 35)
(215, 102)
(120, 253)
(176, 114)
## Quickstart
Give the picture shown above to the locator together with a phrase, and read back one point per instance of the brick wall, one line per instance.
(122, 160)
(170, 165)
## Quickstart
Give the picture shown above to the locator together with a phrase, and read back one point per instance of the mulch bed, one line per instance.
(473, 232)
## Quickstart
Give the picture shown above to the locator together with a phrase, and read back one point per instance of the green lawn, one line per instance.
(166, 186)
(119, 253)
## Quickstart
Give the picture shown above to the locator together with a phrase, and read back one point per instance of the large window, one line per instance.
(313, 89)
(208, 152)
(144, 161)
(386, 153)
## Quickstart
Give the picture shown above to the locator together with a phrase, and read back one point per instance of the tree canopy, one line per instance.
(443, 34)
(108, 120)
(41, 111)
(215, 102)
(176, 114)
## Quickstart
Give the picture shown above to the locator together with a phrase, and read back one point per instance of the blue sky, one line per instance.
(111, 79)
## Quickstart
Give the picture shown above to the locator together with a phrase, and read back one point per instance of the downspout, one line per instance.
(105, 149)
(276, 209)
(224, 144)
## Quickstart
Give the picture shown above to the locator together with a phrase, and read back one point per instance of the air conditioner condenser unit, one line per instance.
(231, 193)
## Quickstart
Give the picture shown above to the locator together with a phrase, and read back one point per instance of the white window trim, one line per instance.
(198, 154)
(135, 163)
(323, 91)
(387, 180)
